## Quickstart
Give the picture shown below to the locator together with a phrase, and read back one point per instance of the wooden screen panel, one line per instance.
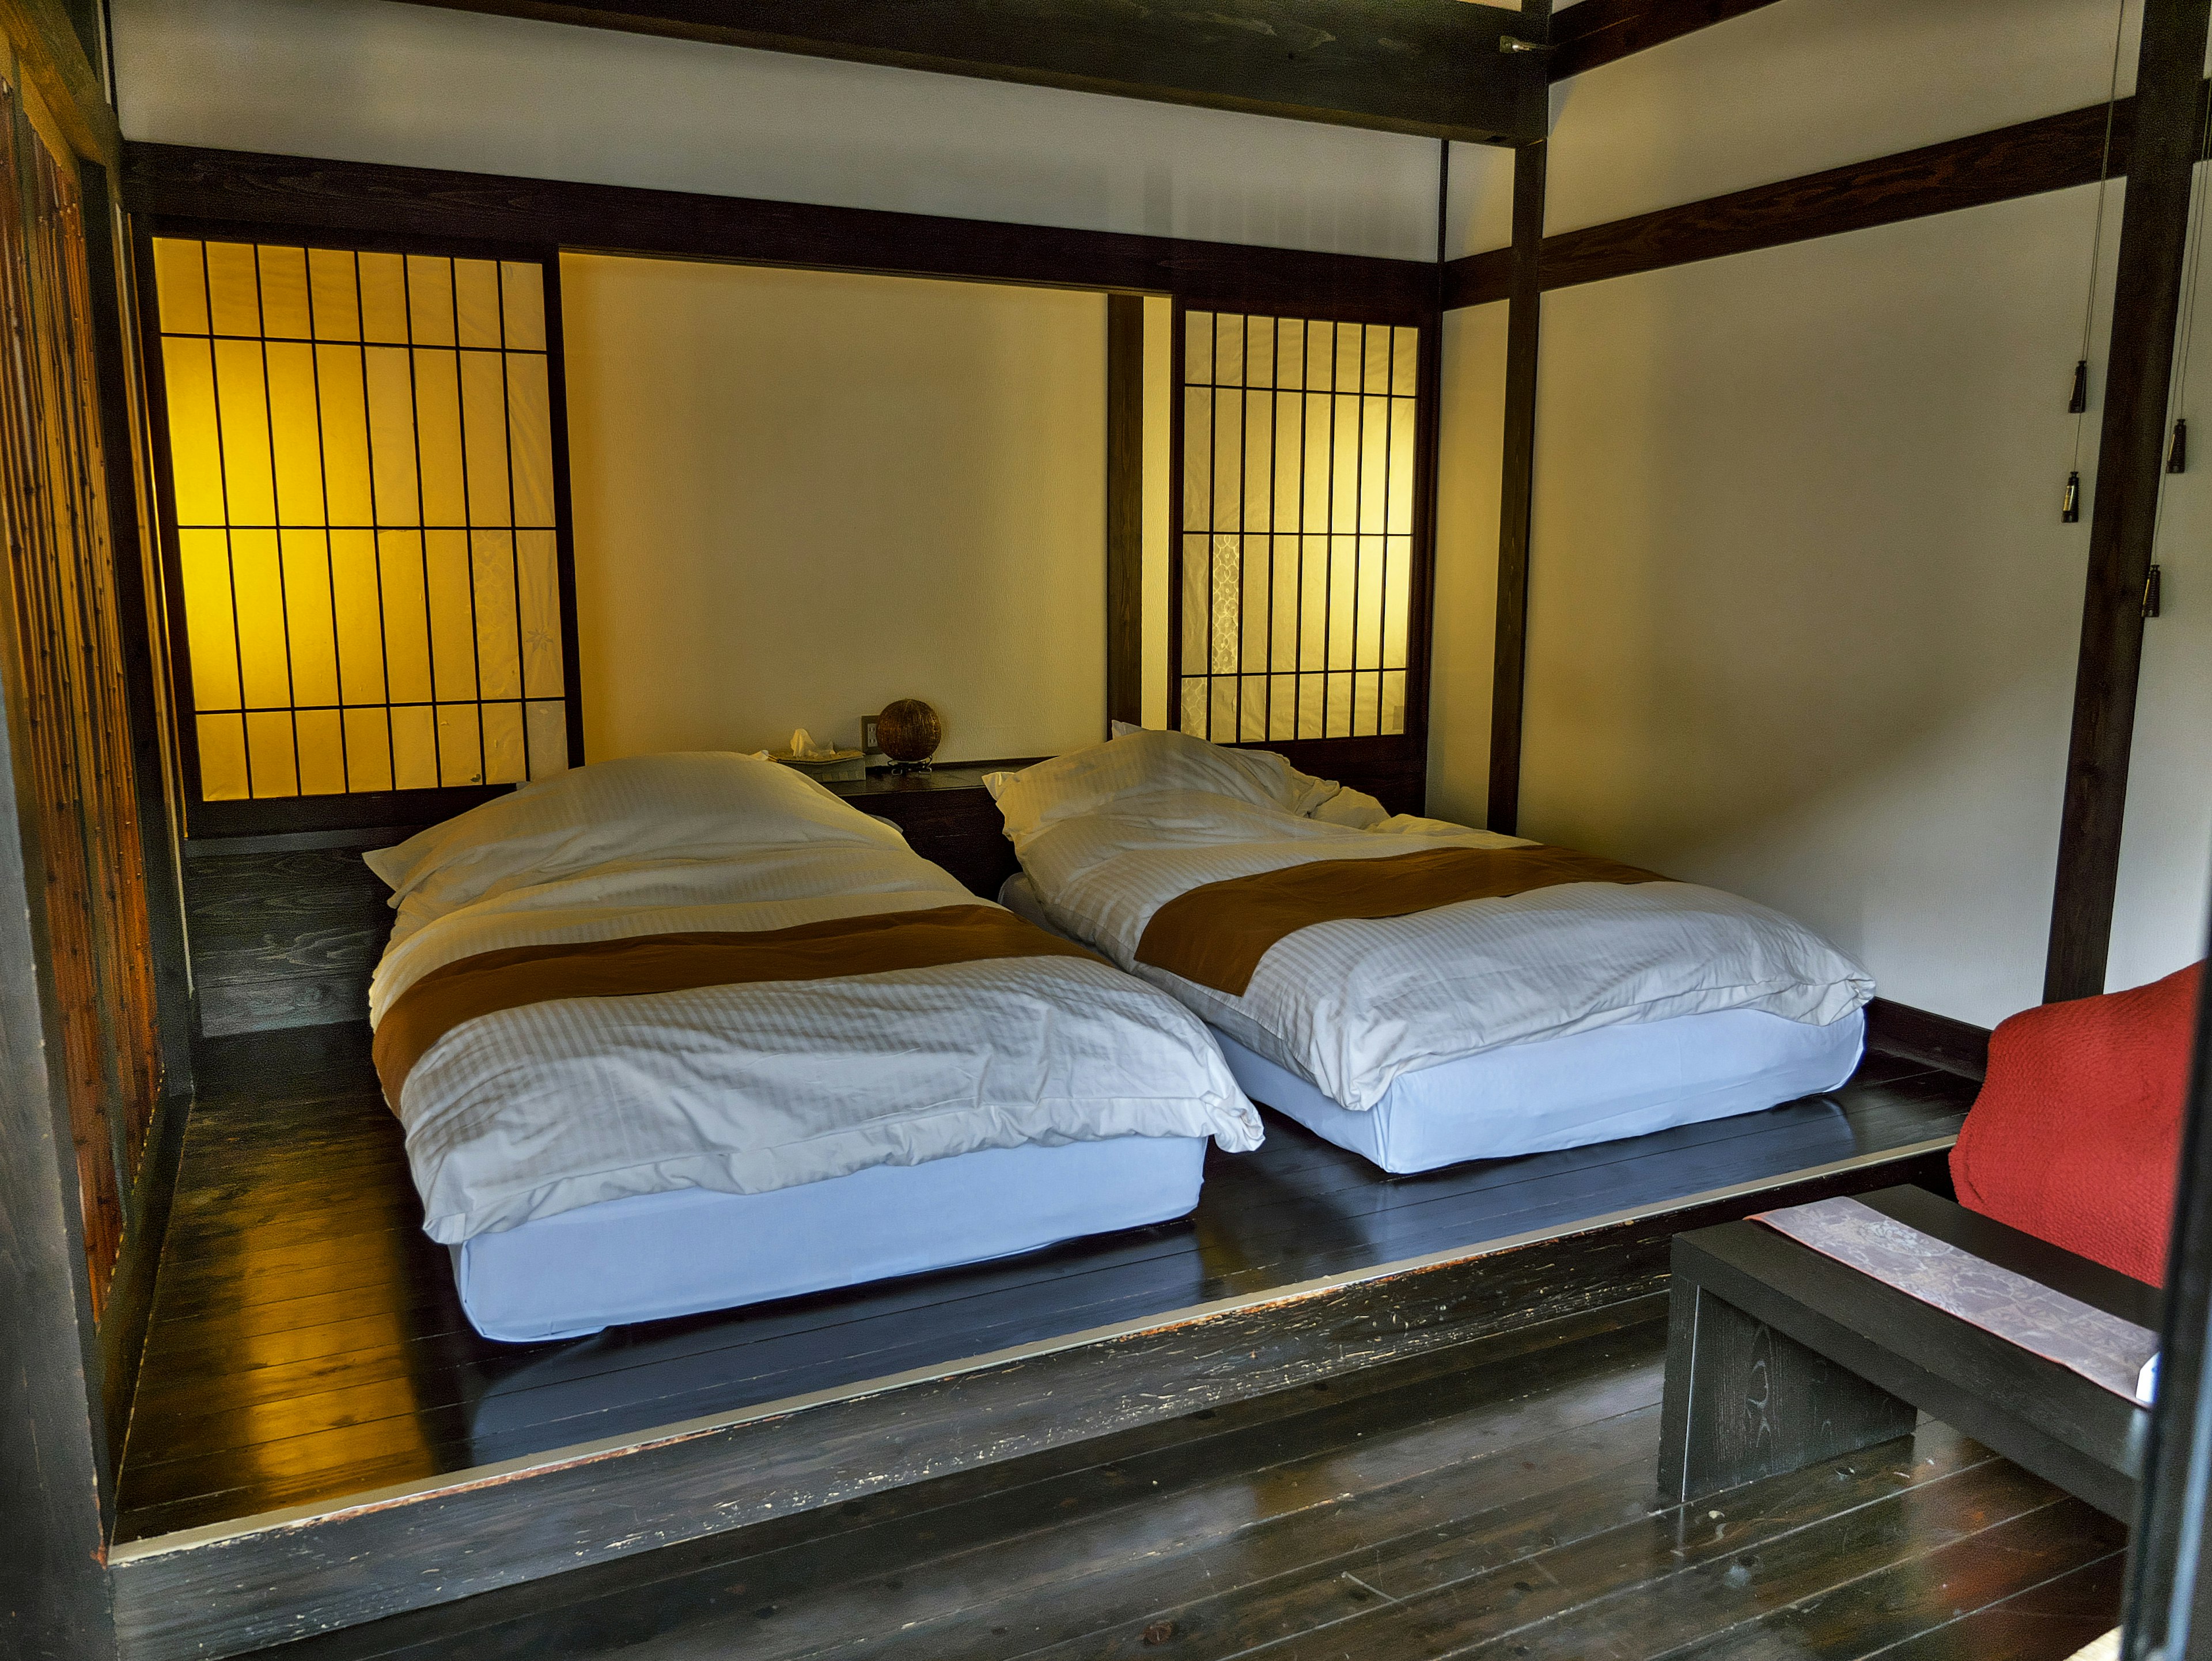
(1292, 583)
(363, 508)
(69, 648)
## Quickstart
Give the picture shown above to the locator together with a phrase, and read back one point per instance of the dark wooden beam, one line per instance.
(1125, 508)
(2131, 469)
(51, 56)
(1417, 66)
(343, 200)
(1604, 31)
(2052, 153)
(1517, 486)
(1898, 1029)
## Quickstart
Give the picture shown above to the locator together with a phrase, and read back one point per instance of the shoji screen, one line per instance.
(1299, 519)
(362, 450)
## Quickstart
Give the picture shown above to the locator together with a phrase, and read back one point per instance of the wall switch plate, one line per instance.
(871, 751)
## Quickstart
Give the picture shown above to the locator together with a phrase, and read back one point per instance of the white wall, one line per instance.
(376, 81)
(800, 495)
(1804, 622)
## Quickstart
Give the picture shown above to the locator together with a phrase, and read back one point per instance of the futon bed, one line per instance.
(1416, 991)
(681, 1032)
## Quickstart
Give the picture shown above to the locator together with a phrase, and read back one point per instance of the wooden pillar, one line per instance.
(1517, 487)
(1125, 507)
(2154, 239)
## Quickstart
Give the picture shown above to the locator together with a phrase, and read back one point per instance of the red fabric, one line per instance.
(2076, 1135)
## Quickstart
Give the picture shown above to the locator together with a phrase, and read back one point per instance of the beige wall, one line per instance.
(377, 81)
(1467, 563)
(799, 496)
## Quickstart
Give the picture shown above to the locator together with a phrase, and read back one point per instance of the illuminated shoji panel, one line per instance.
(361, 452)
(1297, 545)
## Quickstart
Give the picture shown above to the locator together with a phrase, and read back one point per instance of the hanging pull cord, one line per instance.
(2078, 405)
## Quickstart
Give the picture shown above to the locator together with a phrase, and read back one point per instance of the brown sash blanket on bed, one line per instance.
(1217, 934)
(875, 945)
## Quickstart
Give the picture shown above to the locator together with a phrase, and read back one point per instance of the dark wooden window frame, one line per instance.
(358, 809)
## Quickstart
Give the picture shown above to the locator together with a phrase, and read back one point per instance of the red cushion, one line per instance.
(2076, 1135)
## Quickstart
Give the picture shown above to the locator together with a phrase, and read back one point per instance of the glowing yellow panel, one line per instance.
(522, 300)
(1197, 601)
(461, 744)
(233, 289)
(359, 608)
(1313, 592)
(391, 386)
(1260, 351)
(1259, 470)
(414, 748)
(476, 303)
(242, 401)
(1290, 352)
(295, 433)
(1401, 468)
(506, 753)
(270, 755)
(222, 757)
(307, 617)
(1376, 423)
(1321, 357)
(323, 759)
(452, 620)
(284, 315)
(429, 299)
(1198, 348)
(1367, 629)
(1227, 433)
(258, 601)
(538, 570)
(334, 294)
(204, 558)
(180, 287)
(499, 649)
(1393, 701)
(348, 497)
(438, 440)
(406, 620)
(529, 439)
(1343, 588)
(1284, 444)
(1397, 589)
(548, 725)
(1282, 604)
(484, 425)
(1197, 458)
(195, 454)
(368, 750)
(383, 281)
(1228, 351)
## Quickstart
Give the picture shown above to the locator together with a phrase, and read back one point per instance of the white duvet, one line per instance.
(1110, 834)
(743, 1089)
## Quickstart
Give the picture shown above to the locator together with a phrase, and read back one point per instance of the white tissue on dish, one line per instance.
(804, 748)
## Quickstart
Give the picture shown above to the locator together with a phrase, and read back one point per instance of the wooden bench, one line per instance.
(1779, 1357)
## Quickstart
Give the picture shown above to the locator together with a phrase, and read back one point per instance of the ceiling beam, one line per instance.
(1430, 67)
(1604, 31)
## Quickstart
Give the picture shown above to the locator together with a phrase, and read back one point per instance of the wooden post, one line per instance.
(2130, 458)
(1517, 493)
(1125, 507)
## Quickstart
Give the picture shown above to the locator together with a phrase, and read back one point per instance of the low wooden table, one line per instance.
(1779, 1357)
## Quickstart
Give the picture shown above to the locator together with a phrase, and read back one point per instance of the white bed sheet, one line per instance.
(1542, 1094)
(662, 1255)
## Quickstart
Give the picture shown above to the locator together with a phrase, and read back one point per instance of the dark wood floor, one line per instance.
(307, 1343)
(1492, 1499)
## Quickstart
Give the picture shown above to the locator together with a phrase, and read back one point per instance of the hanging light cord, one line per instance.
(2096, 237)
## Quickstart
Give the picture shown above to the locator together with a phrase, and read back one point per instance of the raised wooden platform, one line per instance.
(319, 1439)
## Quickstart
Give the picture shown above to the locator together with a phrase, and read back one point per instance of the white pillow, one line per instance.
(694, 805)
(1141, 762)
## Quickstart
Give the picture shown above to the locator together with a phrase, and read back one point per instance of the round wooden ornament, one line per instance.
(910, 731)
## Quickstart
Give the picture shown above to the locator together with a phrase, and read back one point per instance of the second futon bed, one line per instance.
(1416, 991)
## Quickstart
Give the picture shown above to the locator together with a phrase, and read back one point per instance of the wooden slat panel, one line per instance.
(69, 645)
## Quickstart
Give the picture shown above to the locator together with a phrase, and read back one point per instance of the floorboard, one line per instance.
(306, 1342)
(1493, 1499)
